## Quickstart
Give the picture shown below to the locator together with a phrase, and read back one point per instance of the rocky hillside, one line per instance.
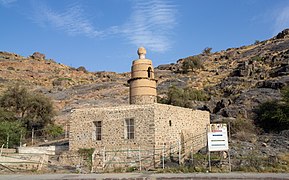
(237, 79)
(68, 87)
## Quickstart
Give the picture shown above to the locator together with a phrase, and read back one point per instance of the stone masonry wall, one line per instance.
(176, 126)
(143, 99)
(157, 126)
(82, 130)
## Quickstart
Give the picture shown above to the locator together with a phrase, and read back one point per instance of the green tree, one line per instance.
(53, 130)
(256, 42)
(175, 96)
(6, 115)
(12, 132)
(194, 94)
(34, 110)
(183, 97)
(273, 116)
(16, 100)
(191, 63)
(39, 112)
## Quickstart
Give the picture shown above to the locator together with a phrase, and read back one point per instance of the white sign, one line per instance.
(217, 137)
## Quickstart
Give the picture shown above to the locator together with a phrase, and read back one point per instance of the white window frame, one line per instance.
(129, 128)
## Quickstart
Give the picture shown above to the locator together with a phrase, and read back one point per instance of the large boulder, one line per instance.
(214, 105)
(243, 106)
(234, 111)
(277, 83)
(38, 55)
(283, 34)
(211, 104)
(248, 101)
(280, 71)
(164, 67)
(245, 69)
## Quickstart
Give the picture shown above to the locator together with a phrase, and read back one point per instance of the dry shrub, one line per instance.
(244, 136)
(243, 129)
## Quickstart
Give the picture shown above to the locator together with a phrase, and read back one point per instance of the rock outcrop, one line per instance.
(38, 55)
(237, 79)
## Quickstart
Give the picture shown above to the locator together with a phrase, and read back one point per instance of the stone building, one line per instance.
(142, 130)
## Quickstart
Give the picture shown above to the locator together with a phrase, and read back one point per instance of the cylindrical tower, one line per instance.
(142, 82)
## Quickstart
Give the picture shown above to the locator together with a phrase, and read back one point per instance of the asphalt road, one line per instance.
(148, 176)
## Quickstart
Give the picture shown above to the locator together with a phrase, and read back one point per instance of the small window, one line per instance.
(98, 125)
(149, 72)
(129, 128)
(170, 122)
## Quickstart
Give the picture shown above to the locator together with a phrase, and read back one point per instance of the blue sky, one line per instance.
(103, 35)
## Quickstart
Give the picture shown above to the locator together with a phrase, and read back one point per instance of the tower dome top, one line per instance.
(141, 52)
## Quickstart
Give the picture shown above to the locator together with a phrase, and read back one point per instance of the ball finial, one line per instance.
(141, 52)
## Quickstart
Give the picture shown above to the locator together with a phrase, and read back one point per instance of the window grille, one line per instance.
(98, 125)
(129, 128)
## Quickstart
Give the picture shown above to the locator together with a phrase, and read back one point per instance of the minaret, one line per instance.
(142, 82)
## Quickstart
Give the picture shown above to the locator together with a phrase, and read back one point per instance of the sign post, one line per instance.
(218, 140)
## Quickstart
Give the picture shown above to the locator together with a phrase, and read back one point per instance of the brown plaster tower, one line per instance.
(142, 82)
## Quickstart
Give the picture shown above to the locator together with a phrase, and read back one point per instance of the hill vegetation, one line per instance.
(273, 116)
(245, 86)
(183, 97)
(22, 112)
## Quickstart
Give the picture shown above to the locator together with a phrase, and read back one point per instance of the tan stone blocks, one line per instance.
(143, 99)
(154, 124)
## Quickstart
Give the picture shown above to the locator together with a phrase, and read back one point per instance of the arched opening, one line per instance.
(149, 72)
